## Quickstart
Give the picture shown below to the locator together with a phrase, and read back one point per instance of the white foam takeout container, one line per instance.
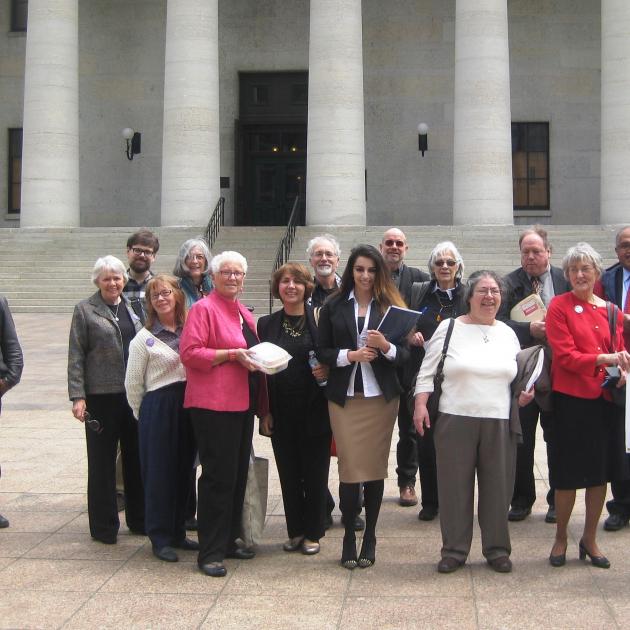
(269, 358)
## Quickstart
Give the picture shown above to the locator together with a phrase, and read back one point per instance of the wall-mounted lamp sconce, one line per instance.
(423, 130)
(133, 142)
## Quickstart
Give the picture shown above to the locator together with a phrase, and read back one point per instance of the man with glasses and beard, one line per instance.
(142, 248)
(323, 254)
(393, 248)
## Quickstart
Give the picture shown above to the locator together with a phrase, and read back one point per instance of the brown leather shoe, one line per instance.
(503, 564)
(449, 564)
(408, 496)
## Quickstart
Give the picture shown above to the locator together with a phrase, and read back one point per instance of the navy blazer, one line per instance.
(518, 286)
(317, 421)
(338, 330)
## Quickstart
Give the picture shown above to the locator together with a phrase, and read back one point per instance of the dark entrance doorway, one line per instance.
(271, 147)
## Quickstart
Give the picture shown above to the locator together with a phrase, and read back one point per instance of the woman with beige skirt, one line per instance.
(362, 390)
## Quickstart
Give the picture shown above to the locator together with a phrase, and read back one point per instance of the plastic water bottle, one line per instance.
(313, 362)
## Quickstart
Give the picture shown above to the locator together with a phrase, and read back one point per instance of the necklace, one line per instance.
(115, 313)
(293, 331)
(448, 305)
(486, 339)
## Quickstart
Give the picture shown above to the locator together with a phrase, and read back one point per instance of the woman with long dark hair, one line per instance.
(362, 390)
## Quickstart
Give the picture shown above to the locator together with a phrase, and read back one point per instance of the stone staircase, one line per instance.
(48, 270)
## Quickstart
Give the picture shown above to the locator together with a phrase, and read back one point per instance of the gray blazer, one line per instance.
(96, 363)
(11, 359)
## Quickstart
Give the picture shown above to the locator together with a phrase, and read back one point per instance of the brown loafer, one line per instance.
(449, 564)
(502, 564)
(408, 496)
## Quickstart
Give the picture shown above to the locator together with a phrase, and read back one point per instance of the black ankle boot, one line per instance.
(349, 552)
(367, 557)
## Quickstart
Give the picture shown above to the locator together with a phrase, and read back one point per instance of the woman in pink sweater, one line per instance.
(223, 392)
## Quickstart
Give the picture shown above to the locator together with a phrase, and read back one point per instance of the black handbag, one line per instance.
(433, 402)
(618, 393)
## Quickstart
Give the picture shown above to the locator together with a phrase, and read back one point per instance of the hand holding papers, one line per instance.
(530, 309)
(397, 323)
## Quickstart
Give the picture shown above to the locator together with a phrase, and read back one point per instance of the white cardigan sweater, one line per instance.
(152, 365)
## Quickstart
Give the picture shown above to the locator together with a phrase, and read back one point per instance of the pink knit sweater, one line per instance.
(214, 324)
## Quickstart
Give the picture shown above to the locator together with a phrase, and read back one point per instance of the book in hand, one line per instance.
(397, 323)
(529, 309)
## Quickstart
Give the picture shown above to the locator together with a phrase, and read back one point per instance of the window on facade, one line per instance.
(299, 93)
(530, 165)
(260, 94)
(15, 170)
(19, 11)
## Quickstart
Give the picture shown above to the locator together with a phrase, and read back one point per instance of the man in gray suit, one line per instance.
(11, 361)
(535, 275)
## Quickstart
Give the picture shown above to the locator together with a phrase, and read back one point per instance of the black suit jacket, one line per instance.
(518, 286)
(11, 359)
(409, 275)
(317, 421)
(338, 330)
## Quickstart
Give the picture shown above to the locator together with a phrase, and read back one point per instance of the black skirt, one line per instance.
(587, 443)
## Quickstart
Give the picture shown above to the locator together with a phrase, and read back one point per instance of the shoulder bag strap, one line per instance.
(449, 332)
(611, 309)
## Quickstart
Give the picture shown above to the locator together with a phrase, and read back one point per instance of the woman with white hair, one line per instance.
(222, 393)
(192, 268)
(587, 439)
(102, 328)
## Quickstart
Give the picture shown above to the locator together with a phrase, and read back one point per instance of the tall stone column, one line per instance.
(615, 142)
(335, 180)
(190, 153)
(50, 151)
(482, 174)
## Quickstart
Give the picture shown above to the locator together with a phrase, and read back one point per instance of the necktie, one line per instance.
(626, 306)
(536, 285)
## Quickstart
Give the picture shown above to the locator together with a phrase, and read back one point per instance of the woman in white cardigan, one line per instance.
(155, 384)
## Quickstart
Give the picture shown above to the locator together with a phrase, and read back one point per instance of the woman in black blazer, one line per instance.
(362, 390)
(298, 420)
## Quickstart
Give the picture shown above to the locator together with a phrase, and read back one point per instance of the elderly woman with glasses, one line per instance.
(587, 442)
(155, 383)
(223, 392)
(437, 299)
(101, 331)
(192, 268)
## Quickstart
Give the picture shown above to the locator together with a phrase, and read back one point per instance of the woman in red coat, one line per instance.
(587, 447)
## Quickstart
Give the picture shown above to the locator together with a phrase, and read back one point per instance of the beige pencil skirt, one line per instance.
(363, 436)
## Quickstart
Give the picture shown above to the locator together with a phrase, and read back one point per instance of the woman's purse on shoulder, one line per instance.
(618, 393)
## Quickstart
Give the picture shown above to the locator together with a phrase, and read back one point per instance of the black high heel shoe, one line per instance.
(601, 562)
(349, 552)
(367, 556)
(558, 560)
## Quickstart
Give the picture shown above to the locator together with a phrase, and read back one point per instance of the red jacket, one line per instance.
(577, 332)
(214, 324)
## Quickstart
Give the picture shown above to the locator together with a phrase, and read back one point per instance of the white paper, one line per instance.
(537, 370)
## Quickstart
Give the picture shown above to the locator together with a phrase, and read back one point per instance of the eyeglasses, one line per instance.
(493, 292)
(440, 263)
(228, 274)
(623, 246)
(199, 257)
(390, 242)
(163, 293)
(138, 251)
(92, 423)
(321, 254)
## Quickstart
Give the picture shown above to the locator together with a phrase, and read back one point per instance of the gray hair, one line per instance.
(181, 268)
(226, 257)
(439, 250)
(582, 252)
(474, 280)
(108, 263)
(323, 237)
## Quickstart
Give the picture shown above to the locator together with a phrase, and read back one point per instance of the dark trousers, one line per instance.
(166, 458)
(524, 494)
(116, 418)
(303, 462)
(224, 440)
(427, 469)
(406, 450)
(620, 503)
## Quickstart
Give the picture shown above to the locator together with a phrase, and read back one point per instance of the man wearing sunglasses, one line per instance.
(535, 275)
(142, 248)
(393, 248)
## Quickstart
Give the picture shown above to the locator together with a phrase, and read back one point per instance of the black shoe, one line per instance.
(240, 553)
(448, 564)
(550, 517)
(328, 521)
(428, 513)
(349, 553)
(559, 560)
(4, 522)
(615, 522)
(601, 562)
(517, 513)
(191, 524)
(137, 531)
(367, 555)
(166, 553)
(213, 569)
(187, 545)
(502, 564)
(106, 540)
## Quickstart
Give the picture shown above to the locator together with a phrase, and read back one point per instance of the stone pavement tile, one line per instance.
(62, 546)
(418, 613)
(57, 575)
(76, 484)
(141, 575)
(620, 606)
(556, 609)
(52, 502)
(141, 611)
(16, 544)
(275, 611)
(80, 523)
(21, 609)
(50, 522)
(5, 562)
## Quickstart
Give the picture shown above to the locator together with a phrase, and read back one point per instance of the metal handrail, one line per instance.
(286, 243)
(216, 221)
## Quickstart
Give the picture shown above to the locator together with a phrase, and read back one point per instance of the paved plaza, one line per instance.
(53, 575)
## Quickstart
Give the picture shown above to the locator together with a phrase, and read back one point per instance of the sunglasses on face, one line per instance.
(449, 262)
(390, 242)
